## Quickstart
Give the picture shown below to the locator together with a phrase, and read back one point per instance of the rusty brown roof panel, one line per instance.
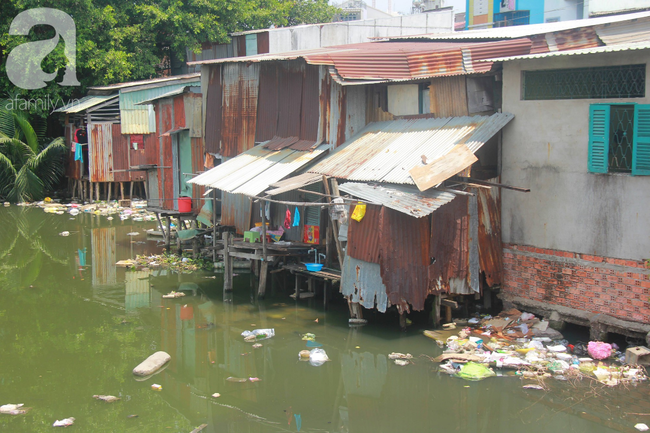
(277, 143)
(574, 39)
(100, 152)
(304, 145)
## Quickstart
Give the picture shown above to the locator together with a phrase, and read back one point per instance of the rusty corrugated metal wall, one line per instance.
(363, 236)
(290, 84)
(240, 91)
(404, 258)
(213, 109)
(449, 244)
(140, 157)
(72, 167)
(267, 109)
(236, 211)
(197, 165)
(121, 157)
(489, 234)
(338, 114)
(100, 152)
(448, 96)
(325, 100)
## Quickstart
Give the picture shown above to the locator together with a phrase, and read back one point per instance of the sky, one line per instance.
(404, 6)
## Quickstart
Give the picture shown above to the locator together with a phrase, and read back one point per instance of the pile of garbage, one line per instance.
(136, 210)
(517, 341)
(166, 261)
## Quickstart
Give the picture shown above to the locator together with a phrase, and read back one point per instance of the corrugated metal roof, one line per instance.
(169, 94)
(397, 60)
(387, 151)
(596, 50)
(84, 103)
(404, 199)
(254, 170)
(514, 32)
(625, 32)
(293, 183)
(150, 83)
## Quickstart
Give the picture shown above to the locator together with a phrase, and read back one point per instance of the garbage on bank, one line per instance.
(524, 344)
(135, 209)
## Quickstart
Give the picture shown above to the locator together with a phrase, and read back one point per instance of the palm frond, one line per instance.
(7, 175)
(26, 187)
(27, 130)
(7, 123)
(49, 163)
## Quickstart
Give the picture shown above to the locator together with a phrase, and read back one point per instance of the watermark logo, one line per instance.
(24, 62)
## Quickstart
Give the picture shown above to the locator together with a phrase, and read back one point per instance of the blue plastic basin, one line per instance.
(314, 267)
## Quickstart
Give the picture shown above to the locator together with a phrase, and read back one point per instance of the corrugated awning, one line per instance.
(385, 152)
(644, 45)
(295, 182)
(174, 131)
(84, 103)
(402, 198)
(255, 170)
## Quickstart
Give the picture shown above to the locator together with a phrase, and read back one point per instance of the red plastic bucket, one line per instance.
(184, 204)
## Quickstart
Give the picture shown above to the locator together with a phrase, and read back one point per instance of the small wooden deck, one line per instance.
(328, 276)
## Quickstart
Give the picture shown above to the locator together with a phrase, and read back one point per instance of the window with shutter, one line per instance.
(641, 151)
(619, 139)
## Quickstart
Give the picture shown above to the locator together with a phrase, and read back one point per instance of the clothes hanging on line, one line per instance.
(296, 218)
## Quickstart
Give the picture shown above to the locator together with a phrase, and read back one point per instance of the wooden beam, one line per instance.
(470, 180)
(334, 227)
(261, 291)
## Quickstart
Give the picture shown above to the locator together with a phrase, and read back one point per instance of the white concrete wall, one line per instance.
(599, 6)
(545, 148)
(403, 99)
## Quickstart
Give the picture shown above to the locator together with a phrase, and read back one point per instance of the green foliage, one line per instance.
(126, 41)
(28, 167)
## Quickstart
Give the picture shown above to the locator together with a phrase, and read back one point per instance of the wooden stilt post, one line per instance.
(179, 243)
(97, 191)
(214, 226)
(91, 192)
(168, 233)
(121, 190)
(227, 274)
(195, 243)
(436, 310)
(131, 190)
(447, 314)
(261, 291)
(110, 187)
(333, 226)
(297, 287)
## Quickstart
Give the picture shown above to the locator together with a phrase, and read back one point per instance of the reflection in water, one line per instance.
(73, 325)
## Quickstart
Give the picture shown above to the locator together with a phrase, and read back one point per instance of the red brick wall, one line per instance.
(619, 288)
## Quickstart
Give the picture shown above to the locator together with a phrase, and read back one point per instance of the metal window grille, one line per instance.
(627, 81)
(621, 138)
(513, 18)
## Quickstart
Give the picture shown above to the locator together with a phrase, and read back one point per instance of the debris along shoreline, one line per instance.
(167, 261)
(132, 209)
(519, 341)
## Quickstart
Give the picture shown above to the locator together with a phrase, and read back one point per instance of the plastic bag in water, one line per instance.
(318, 357)
(475, 371)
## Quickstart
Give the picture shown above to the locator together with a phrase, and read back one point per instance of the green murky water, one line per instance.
(73, 325)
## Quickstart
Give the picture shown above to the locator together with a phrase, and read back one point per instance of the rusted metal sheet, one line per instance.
(290, 85)
(293, 183)
(213, 110)
(323, 126)
(140, 156)
(240, 88)
(179, 112)
(363, 236)
(167, 171)
(192, 103)
(473, 55)
(489, 234)
(236, 211)
(151, 150)
(448, 96)
(278, 143)
(121, 155)
(404, 259)
(539, 44)
(338, 114)
(267, 109)
(240, 43)
(573, 39)
(449, 245)
(361, 282)
(310, 108)
(100, 152)
(263, 42)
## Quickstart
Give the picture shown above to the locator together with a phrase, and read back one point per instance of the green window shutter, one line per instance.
(641, 149)
(598, 138)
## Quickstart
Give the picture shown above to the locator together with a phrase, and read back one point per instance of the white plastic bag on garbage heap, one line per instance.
(317, 357)
(258, 334)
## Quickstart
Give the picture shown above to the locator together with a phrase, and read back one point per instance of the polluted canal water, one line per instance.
(74, 326)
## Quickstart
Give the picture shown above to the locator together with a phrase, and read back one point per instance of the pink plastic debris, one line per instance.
(599, 350)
